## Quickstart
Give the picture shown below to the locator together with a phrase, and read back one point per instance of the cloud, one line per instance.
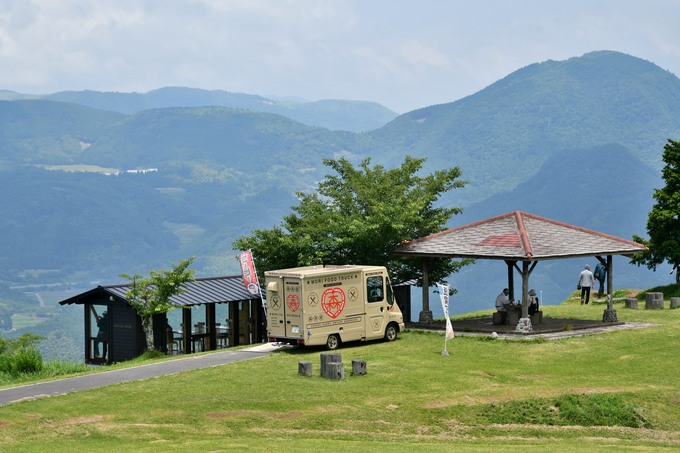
(400, 53)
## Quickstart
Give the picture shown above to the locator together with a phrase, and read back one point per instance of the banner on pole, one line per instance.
(248, 272)
(444, 297)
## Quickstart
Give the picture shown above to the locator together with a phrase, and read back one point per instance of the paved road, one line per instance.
(91, 381)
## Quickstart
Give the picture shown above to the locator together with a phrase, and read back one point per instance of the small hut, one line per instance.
(113, 329)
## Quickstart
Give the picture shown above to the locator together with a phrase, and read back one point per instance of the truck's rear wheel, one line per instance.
(391, 332)
(333, 342)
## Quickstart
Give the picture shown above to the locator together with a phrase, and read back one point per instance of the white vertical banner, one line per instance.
(444, 298)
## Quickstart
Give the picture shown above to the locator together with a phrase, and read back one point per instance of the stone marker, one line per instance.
(654, 301)
(336, 371)
(675, 302)
(328, 358)
(632, 303)
(358, 367)
(305, 368)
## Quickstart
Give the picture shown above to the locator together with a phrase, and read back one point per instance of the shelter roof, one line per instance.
(518, 236)
(201, 291)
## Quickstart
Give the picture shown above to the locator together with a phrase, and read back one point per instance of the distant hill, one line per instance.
(243, 141)
(586, 187)
(578, 140)
(354, 116)
(45, 132)
(503, 134)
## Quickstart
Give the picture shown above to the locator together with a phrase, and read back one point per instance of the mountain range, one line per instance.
(97, 184)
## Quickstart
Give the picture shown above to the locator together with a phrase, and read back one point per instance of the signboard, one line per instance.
(248, 272)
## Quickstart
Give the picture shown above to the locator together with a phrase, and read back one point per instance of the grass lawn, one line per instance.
(590, 393)
(20, 321)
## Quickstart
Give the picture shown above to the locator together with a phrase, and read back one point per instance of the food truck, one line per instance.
(317, 305)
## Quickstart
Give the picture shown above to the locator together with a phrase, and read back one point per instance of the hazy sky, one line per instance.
(402, 54)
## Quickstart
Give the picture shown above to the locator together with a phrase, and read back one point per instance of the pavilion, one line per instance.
(519, 237)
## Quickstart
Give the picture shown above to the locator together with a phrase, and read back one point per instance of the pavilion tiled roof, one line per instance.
(518, 236)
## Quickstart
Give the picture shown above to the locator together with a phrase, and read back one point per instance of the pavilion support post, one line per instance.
(186, 329)
(511, 279)
(609, 314)
(524, 324)
(210, 321)
(426, 315)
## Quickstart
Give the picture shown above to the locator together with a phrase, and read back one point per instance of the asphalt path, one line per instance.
(96, 380)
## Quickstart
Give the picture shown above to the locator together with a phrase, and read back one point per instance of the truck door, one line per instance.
(276, 322)
(376, 305)
(284, 308)
(292, 307)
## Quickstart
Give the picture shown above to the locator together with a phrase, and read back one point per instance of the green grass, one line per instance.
(51, 370)
(587, 393)
(20, 321)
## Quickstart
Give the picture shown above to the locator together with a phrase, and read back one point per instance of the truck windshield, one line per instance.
(374, 289)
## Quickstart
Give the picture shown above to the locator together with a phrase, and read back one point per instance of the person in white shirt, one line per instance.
(502, 301)
(585, 282)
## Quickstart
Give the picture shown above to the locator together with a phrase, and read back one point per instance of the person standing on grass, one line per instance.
(600, 275)
(585, 282)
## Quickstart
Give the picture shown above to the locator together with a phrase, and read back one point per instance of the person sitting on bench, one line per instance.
(502, 301)
(533, 302)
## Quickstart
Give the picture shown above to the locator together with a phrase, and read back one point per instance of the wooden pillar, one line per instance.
(525, 288)
(88, 334)
(186, 329)
(511, 279)
(234, 324)
(426, 315)
(610, 283)
(210, 321)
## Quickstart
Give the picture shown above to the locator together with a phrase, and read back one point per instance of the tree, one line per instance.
(358, 217)
(151, 296)
(663, 223)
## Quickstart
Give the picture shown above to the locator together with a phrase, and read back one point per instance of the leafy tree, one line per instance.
(358, 217)
(151, 296)
(663, 224)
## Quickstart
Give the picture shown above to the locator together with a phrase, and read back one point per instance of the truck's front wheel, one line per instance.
(333, 342)
(391, 332)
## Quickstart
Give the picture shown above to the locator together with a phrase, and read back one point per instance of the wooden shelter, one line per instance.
(521, 240)
(113, 329)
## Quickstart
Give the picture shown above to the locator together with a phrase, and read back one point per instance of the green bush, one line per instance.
(20, 356)
(668, 291)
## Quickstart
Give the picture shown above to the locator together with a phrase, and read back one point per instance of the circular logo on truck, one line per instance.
(333, 301)
(293, 302)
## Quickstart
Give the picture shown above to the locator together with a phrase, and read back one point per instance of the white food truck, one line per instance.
(318, 305)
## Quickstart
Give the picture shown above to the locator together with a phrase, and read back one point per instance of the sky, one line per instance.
(402, 54)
